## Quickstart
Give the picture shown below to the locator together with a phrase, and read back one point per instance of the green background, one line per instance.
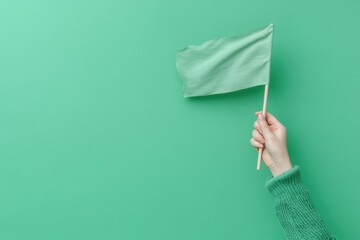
(97, 142)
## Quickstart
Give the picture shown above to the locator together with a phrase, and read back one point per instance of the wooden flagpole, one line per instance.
(264, 114)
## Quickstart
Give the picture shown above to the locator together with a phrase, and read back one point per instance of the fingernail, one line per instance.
(260, 116)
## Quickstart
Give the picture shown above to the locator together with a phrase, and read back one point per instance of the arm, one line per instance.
(292, 202)
(294, 207)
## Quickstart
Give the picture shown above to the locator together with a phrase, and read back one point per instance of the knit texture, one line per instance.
(294, 207)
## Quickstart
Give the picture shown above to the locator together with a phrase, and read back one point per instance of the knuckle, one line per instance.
(254, 132)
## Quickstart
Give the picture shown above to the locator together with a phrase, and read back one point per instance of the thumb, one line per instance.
(264, 127)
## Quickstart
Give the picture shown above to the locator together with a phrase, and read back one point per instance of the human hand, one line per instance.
(270, 135)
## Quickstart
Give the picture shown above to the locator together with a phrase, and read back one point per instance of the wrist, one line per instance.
(281, 166)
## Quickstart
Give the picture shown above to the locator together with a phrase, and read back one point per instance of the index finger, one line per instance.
(271, 119)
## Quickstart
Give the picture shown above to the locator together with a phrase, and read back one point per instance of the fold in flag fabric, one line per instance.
(226, 64)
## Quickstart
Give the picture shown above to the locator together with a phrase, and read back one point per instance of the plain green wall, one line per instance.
(97, 142)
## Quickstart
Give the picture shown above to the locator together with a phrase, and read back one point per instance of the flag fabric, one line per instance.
(226, 64)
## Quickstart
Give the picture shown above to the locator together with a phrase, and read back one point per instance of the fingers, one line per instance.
(257, 136)
(257, 127)
(256, 144)
(264, 127)
(271, 119)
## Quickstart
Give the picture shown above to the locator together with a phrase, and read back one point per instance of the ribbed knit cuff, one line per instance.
(286, 183)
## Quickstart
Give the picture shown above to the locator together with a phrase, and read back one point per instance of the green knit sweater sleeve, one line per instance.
(294, 208)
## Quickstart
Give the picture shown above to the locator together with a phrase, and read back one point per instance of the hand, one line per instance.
(270, 135)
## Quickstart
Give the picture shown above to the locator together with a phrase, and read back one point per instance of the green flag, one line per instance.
(226, 64)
